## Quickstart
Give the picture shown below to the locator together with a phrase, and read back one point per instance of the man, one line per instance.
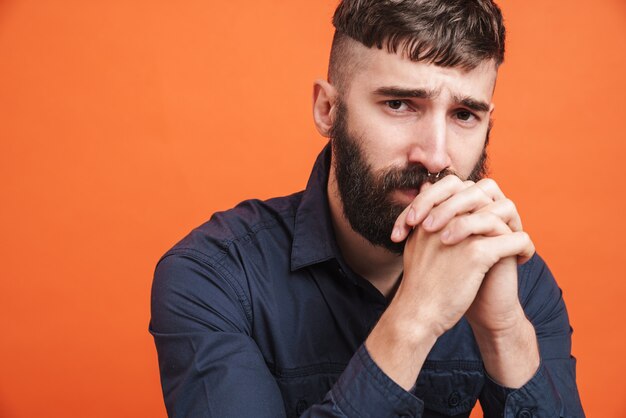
(400, 282)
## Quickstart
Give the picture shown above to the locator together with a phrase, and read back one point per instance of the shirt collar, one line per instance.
(314, 236)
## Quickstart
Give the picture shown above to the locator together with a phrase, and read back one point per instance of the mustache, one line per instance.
(412, 177)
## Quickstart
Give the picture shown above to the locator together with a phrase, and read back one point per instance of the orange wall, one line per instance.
(123, 124)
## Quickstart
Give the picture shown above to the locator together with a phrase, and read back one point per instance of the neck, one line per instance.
(376, 264)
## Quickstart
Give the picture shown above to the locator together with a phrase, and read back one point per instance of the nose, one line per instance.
(429, 146)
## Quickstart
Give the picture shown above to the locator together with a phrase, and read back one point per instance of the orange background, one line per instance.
(123, 124)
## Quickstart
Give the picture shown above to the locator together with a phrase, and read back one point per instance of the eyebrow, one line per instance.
(472, 104)
(400, 92)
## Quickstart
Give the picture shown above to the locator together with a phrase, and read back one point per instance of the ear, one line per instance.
(324, 104)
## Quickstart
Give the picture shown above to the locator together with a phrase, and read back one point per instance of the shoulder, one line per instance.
(240, 227)
(213, 264)
(235, 246)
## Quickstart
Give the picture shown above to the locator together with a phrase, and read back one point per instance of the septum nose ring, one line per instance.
(430, 175)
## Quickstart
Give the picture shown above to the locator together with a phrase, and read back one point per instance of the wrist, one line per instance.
(510, 356)
(500, 327)
(399, 345)
(397, 328)
(415, 319)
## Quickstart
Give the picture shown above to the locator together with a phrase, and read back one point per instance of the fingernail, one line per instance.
(411, 215)
(429, 221)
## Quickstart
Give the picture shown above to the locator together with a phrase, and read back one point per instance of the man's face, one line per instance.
(399, 120)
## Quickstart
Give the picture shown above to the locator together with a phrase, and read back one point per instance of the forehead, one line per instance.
(378, 69)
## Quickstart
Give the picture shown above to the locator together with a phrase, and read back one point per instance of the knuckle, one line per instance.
(488, 183)
(482, 254)
(509, 205)
(453, 180)
(491, 218)
(477, 251)
(462, 223)
(454, 227)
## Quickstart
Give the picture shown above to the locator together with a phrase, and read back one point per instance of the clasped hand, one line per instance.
(464, 240)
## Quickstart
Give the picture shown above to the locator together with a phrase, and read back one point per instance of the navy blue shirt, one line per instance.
(256, 314)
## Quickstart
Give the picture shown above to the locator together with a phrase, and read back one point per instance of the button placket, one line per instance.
(301, 406)
(454, 399)
(524, 413)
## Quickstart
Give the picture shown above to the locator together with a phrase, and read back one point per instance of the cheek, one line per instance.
(381, 141)
(465, 152)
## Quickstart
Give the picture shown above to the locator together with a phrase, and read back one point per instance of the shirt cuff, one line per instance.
(364, 390)
(537, 398)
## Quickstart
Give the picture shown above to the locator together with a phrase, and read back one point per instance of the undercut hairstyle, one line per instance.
(447, 33)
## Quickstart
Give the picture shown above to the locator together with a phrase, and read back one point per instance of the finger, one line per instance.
(505, 209)
(400, 229)
(428, 197)
(514, 244)
(433, 196)
(465, 201)
(479, 223)
(491, 188)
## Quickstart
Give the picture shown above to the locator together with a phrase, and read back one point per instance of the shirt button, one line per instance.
(301, 406)
(525, 413)
(454, 399)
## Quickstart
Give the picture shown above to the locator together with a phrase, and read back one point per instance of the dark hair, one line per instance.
(448, 33)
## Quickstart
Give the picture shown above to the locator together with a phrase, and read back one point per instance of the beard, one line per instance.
(366, 195)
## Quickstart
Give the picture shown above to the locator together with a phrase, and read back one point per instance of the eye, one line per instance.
(397, 105)
(465, 115)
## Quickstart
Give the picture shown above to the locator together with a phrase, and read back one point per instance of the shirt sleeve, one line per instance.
(552, 391)
(364, 390)
(211, 366)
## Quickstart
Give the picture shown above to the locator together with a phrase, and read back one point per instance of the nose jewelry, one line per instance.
(434, 175)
